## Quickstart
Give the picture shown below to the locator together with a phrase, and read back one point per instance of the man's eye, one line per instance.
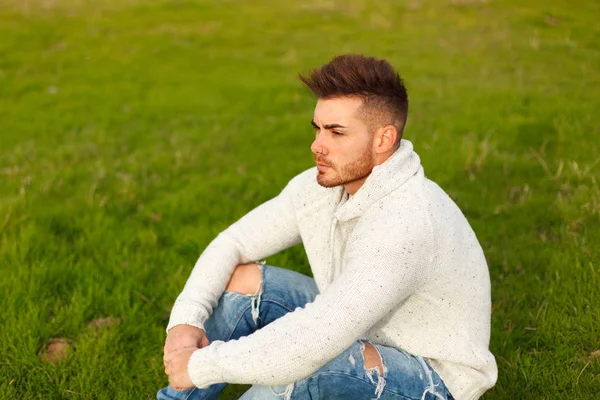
(337, 133)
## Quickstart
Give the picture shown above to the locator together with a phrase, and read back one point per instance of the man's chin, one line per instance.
(328, 183)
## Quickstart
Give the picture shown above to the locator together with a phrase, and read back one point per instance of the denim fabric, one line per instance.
(405, 376)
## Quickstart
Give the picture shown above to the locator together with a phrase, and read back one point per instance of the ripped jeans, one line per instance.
(405, 377)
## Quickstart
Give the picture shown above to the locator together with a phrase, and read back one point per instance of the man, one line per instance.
(400, 302)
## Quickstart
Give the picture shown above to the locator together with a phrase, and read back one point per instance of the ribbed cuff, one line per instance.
(203, 371)
(184, 313)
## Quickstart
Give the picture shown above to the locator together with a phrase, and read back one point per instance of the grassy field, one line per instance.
(132, 132)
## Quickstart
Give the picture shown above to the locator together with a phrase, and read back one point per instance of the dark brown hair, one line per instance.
(385, 101)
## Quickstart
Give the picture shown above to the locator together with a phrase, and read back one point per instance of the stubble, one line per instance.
(348, 173)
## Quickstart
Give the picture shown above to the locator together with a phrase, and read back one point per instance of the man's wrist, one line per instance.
(184, 327)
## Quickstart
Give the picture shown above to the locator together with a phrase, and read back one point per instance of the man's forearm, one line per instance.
(206, 283)
(268, 229)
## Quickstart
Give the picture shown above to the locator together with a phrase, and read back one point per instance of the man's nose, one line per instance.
(317, 146)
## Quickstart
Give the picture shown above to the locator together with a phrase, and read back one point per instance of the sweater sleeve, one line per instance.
(266, 230)
(386, 261)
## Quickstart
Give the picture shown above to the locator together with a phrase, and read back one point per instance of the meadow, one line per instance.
(133, 132)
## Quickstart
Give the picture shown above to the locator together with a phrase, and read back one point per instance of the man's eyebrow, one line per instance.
(327, 126)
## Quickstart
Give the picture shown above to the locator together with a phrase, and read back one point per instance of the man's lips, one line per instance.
(322, 167)
(321, 163)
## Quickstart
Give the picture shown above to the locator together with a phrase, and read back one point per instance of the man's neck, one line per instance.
(352, 187)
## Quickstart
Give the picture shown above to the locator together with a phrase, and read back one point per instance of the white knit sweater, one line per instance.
(397, 263)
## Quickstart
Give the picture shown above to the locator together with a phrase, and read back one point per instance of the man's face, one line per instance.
(343, 145)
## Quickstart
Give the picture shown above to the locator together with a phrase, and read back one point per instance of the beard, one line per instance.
(342, 175)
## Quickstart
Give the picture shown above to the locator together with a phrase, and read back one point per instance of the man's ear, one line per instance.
(385, 139)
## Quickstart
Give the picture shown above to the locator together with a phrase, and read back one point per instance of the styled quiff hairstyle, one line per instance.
(385, 101)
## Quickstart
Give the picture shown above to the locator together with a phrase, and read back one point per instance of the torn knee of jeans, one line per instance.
(244, 281)
(256, 297)
(373, 364)
(372, 357)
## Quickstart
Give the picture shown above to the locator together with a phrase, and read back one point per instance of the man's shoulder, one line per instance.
(421, 202)
(410, 203)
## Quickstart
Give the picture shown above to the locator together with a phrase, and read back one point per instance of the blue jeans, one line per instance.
(405, 377)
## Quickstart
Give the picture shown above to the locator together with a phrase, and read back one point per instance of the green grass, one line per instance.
(132, 132)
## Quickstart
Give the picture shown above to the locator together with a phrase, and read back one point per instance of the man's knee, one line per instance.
(372, 357)
(246, 279)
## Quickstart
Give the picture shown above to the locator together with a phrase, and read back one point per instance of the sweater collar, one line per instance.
(386, 177)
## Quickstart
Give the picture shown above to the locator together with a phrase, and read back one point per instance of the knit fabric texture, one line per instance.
(396, 263)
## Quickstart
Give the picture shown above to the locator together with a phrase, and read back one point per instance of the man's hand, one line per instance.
(176, 364)
(182, 336)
